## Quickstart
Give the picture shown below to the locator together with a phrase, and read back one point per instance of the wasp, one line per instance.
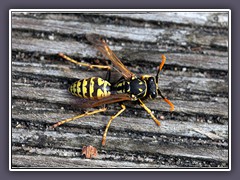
(95, 91)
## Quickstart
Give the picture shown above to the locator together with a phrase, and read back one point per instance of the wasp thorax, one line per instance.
(138, 87)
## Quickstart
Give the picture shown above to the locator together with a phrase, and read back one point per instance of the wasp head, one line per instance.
(152, 88)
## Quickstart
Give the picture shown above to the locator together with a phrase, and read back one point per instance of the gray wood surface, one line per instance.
(195, 79)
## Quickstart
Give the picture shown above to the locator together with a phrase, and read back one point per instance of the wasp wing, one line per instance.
(102, 46)
(113, 98)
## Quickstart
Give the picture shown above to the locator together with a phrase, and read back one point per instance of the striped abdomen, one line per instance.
(91, 88)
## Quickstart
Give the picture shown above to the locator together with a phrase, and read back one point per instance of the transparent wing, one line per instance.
(102, 46)
(88, 103)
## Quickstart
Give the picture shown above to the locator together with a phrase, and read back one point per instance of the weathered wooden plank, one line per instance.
(128, 123)
(196, 84)
(58, 162)
(181, 37)
(82, 50)
(214, 19)
(134, 145)
(195, 79)
(61, 96)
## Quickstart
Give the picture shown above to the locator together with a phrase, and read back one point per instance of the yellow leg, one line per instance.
(78, 116)
(149, 112)
(90, 66)
(109, 122)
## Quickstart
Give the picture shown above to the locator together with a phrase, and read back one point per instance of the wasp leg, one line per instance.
(149, 112)
(109, 122)
(108, 75)
(90, 66)
(79, 116)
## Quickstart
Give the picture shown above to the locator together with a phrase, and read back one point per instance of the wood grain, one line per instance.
(195, 79)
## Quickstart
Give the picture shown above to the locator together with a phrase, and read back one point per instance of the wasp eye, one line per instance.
(153, 95)
(151, 79)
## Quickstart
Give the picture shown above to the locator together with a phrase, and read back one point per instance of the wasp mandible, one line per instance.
(95, 91)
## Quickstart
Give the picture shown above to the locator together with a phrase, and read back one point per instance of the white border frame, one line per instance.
(113, 10)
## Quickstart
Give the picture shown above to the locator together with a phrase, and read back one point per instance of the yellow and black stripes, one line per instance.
(122, 87)
(91, 88)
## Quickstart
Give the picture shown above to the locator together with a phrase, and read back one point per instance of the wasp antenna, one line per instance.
(163, 62)
(161, 66)
(166, 100)
(170, 104)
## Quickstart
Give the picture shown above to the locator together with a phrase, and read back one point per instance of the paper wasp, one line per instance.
(96, 91)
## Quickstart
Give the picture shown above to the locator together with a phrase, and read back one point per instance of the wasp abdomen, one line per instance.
(91, 88)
